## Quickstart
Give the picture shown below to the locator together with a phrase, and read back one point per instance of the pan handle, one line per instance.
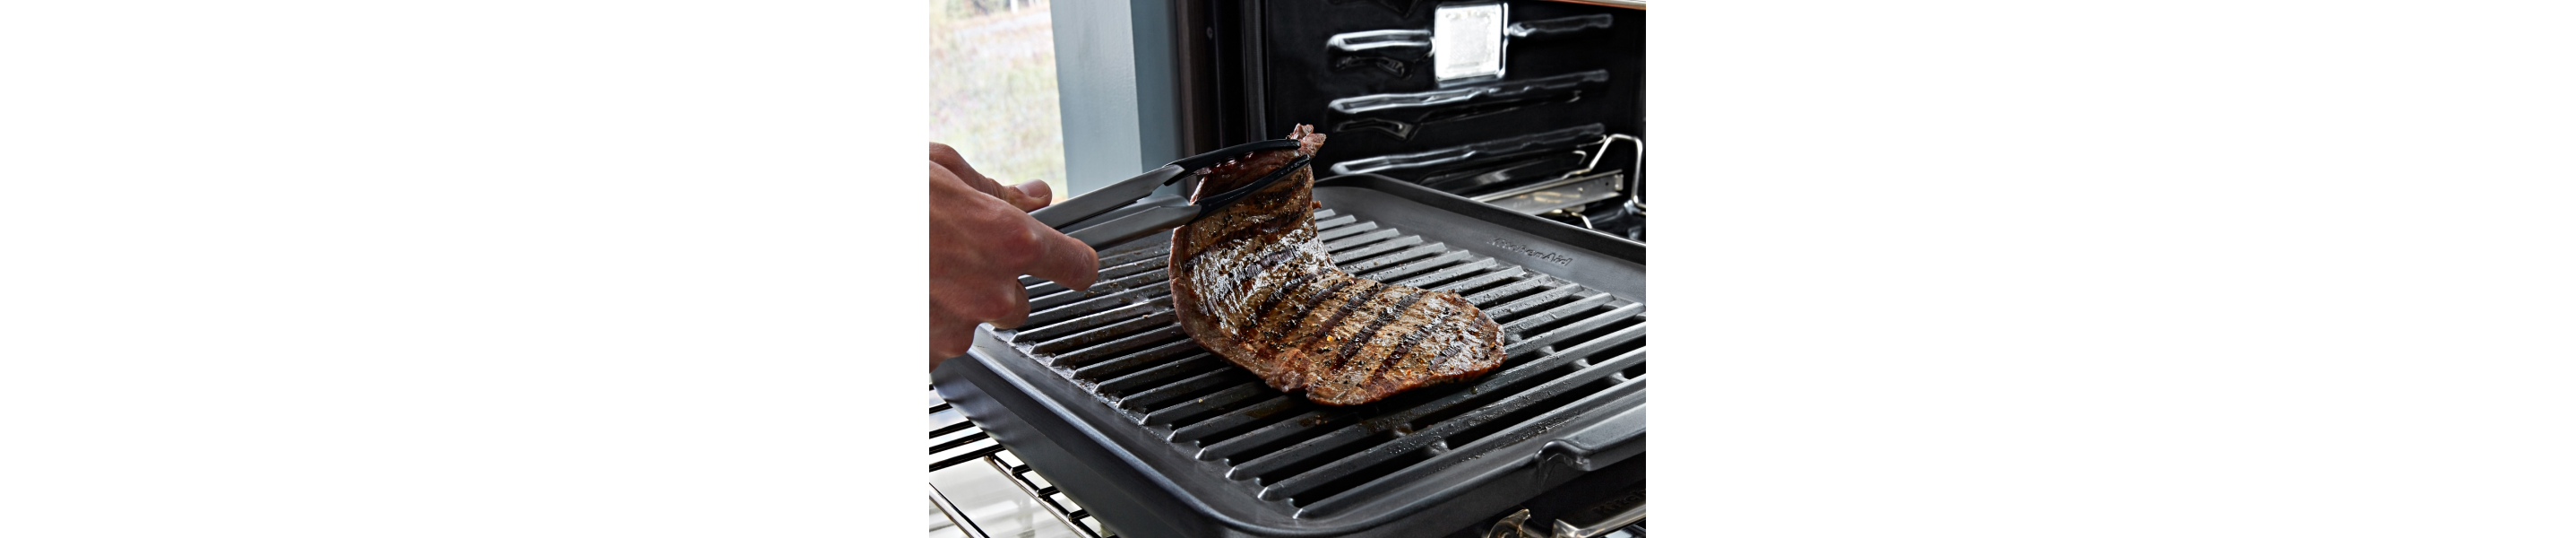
(1603, 443)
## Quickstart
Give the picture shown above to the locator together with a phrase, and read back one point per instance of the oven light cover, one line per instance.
(1467, 41)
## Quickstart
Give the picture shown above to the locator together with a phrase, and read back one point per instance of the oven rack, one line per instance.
(955, 442)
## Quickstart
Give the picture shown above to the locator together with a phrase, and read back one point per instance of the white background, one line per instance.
(2157, 269)
(605, 268)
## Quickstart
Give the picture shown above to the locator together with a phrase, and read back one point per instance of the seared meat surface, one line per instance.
(1251, 283)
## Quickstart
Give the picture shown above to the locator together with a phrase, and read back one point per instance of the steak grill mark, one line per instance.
(1223, 261)
(1369, 334)
(1348, 306)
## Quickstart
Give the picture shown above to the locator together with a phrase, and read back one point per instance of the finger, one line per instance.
(949, 337)
(1061, 258)
(974, 181)
(1017, 197)
(1017, 298)
(987, 292)
(1033, 195)
(948, 158)
(1025, 196)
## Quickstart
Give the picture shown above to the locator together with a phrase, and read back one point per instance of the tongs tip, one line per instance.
(1217, 201)
(1194, 163)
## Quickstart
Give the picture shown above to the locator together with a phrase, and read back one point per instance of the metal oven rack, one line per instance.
(956, 444)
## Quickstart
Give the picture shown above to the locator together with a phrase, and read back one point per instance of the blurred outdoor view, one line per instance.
(992, 88)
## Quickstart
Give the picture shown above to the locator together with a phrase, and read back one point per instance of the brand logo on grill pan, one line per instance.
(1525, 250)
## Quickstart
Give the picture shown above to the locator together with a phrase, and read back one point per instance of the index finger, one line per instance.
(1061, 258)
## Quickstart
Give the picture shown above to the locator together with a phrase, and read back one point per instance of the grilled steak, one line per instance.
(1252, 284)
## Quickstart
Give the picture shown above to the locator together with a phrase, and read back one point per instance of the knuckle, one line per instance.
(995, 307)
(1018, 247)
(1011, 320)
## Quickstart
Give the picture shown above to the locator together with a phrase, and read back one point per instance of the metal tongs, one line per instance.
(1121, 212)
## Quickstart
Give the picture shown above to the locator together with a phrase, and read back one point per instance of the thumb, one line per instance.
(1032, 195)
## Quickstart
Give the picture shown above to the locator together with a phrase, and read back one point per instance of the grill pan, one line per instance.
(1103, 395)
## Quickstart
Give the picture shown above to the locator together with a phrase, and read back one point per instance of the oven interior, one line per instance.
(1557, 128)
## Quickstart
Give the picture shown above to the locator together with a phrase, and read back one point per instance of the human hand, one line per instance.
(981, 240)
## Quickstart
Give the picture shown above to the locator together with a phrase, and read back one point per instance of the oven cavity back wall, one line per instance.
(1251, 69)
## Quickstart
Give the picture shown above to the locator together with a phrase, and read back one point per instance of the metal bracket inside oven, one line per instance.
(1557, 194)
(1517, 526)
(1576, 188)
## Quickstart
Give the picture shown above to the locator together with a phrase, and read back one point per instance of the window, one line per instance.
(992, 88)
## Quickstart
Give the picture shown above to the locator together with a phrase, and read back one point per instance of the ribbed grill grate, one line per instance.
(1564, 342)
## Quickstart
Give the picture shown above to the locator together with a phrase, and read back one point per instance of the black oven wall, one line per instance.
(1252, 69)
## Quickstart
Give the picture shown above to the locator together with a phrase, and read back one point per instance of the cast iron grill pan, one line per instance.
(1103, 394)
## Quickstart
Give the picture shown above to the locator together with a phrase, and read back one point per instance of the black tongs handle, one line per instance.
(1120, 194)
(1139, 222)
(1134, 226)
(1133, 223)
(1101, 200)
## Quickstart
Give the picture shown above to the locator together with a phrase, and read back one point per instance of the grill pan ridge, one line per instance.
(1100, 391)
